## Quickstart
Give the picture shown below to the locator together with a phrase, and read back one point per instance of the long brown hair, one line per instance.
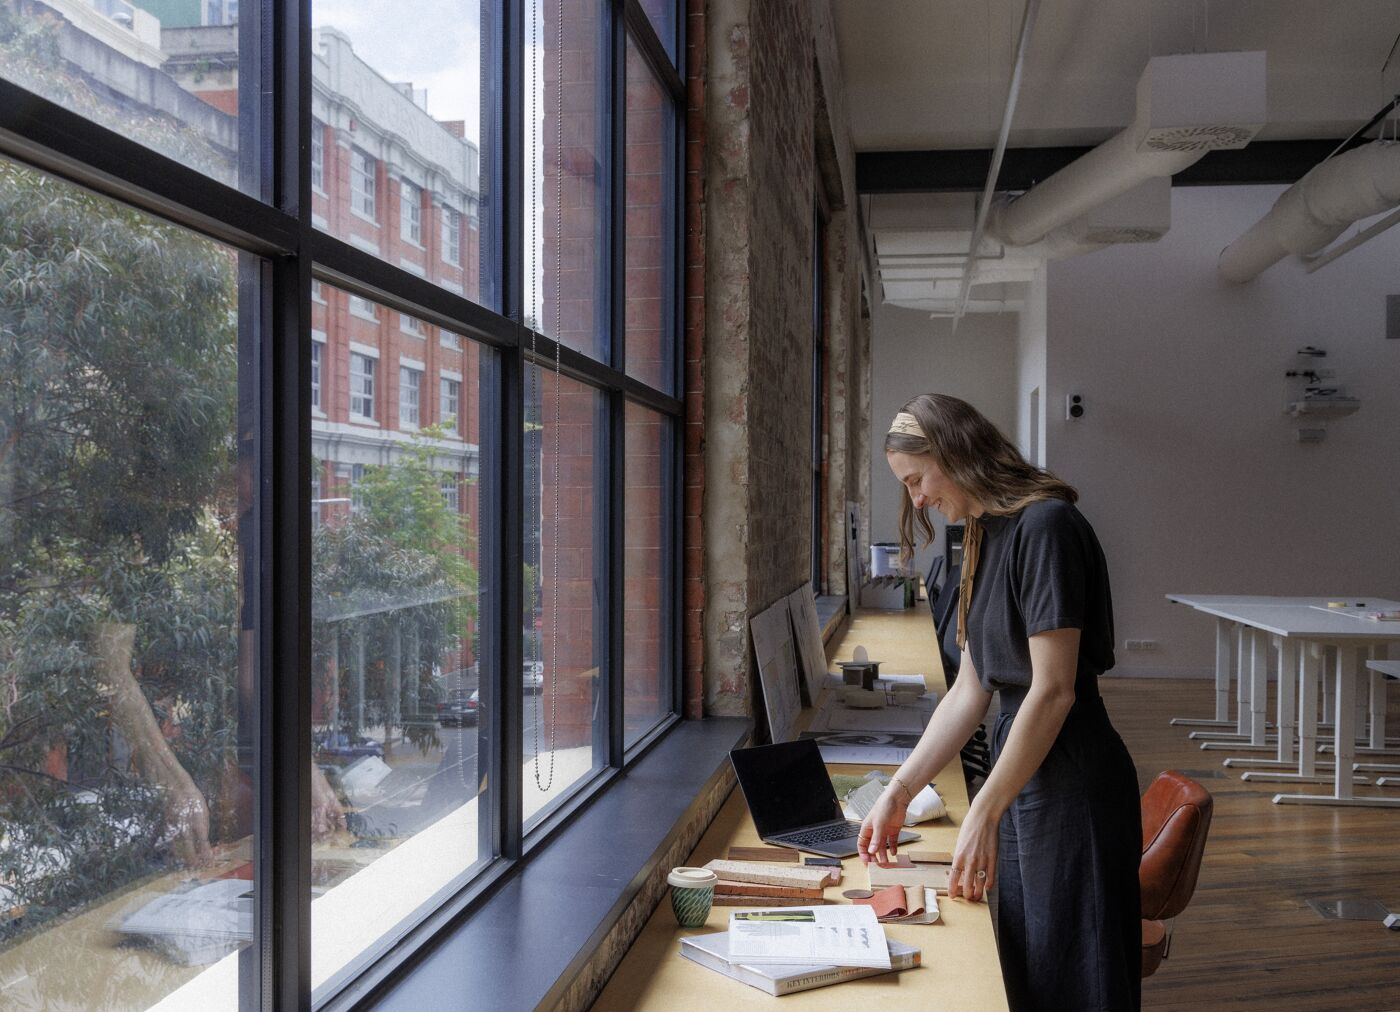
(976, 457)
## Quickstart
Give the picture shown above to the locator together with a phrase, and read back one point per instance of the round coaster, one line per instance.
(857, 894)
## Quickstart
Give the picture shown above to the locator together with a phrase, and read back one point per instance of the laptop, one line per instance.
(792, 801)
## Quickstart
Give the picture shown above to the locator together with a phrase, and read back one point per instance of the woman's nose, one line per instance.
(920, 500)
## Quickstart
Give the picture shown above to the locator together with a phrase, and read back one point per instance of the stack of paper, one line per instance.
(815, 936)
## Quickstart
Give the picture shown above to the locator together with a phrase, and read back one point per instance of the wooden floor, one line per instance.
(1249, 939)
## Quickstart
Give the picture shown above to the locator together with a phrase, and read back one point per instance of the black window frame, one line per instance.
(286, 251)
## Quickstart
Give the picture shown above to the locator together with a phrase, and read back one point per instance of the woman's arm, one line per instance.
(952, 724)
(1054, 659)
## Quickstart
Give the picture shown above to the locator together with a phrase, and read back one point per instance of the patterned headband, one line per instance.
(906, 425)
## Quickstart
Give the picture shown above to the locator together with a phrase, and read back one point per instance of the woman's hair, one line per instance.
(975, 456)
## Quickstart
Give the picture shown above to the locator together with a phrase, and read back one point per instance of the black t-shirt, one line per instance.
(1039, 569)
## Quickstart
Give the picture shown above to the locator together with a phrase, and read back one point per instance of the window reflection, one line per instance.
(564, 719)
(126, 791)
(646, 642)
(396, 670)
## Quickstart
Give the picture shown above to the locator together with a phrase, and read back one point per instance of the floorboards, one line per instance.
(1249, 940)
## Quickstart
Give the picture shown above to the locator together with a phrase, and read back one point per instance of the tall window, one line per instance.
(450, 402)
(410, 395)
(155, 700)
(318, 155)
(411, 212)
(361, 385)
(452, 236)
(363, 169)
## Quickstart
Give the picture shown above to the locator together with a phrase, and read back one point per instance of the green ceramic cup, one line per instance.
(692, 892)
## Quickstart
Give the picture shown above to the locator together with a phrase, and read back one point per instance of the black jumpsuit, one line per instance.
(1068, 923)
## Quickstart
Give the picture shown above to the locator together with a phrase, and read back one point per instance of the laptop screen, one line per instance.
(786, 786)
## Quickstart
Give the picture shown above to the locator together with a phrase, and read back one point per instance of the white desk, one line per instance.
(1381, 669)
(1300, 631)
(1250, 670)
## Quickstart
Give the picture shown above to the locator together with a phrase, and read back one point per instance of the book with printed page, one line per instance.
(712, 951)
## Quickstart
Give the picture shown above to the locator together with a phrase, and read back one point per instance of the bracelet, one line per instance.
(907, 792)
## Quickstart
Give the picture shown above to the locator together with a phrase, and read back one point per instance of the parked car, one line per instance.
(460, 708)
(340, 745)
(532, 676)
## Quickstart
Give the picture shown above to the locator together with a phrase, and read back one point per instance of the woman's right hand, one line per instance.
(879, 833)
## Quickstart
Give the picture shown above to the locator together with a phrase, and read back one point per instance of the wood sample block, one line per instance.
(777, 855)
(771, 874)
(726, 888)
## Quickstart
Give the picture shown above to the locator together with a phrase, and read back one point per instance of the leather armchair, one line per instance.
(1176, 813)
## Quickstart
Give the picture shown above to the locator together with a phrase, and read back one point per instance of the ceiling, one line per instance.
(923, 75)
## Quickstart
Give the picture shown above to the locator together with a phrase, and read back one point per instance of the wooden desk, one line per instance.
(960, 966)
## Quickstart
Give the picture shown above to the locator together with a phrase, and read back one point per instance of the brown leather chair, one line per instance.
(1175, 819)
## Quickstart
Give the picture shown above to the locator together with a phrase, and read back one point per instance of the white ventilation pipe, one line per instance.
(1316, 209)
(1187, 105)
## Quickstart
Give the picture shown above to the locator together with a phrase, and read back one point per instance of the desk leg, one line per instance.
(1287, 690)
(1259, 691)
(1222, 682)
(1307, 716)
(1342, 792)
(1245, 687)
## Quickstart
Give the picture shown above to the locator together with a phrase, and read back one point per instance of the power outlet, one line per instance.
(1141, 645)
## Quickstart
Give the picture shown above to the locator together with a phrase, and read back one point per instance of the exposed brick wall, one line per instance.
(762, 108)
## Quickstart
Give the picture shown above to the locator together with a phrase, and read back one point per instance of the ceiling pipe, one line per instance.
(1013, 91)
(1187, 105)
(1317, 209)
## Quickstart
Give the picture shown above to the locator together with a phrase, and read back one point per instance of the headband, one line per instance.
(907, 425)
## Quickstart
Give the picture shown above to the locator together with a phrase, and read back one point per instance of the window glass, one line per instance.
(318, 156)
(411, 213)
(410, 395)
(450, 406)
(316, 375)
(567, 140)
(396, 676)
(126, 714)
(646, 643)
(662, 15)
(564, 729)
(362, 369)
(166, 75)
(650, 281)
(409, 104)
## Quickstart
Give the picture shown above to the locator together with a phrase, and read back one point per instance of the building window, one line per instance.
(410, 395)
(363, 308)
(450, 398)
(452, 492)
(315, 493)
(410, 325)
(362, 173)
(361, 385)
(317, 295)
(411, 213)
(452, 236)
(318, 155)
(357, 495)
(316, 375)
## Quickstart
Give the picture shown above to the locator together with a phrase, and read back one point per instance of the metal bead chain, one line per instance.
(545, 783)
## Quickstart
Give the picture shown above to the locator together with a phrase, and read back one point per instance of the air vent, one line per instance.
(1198, 138)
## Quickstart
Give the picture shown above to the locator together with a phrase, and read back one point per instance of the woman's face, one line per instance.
(927, 485)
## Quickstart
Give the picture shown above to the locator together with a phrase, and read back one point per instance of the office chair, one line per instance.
(1176, 815)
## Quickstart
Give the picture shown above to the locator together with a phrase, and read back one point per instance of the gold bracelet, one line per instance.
(907, 792)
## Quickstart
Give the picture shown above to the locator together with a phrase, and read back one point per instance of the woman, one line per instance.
(1056, 827)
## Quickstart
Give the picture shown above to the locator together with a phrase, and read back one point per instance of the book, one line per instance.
(814, 936)
(724, 887)
(712, 951)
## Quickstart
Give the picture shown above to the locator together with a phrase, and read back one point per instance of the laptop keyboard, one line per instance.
(822, 834)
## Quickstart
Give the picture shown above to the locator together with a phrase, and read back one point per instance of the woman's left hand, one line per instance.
(974, 868)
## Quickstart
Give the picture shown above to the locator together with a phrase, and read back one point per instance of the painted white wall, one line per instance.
(1186, 463)
(912, 354)
(1030, 370)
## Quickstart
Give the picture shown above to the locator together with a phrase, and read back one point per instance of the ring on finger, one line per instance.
(981, 874)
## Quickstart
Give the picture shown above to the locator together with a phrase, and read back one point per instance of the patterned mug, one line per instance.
(692, 891)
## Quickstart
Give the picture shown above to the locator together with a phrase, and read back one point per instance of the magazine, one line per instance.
(712, 951)
(816, 936)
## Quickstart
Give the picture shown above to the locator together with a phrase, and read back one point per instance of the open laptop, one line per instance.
(792, 801)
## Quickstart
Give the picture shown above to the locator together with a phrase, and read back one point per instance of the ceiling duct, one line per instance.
(1317, 209)
(1187, 105)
